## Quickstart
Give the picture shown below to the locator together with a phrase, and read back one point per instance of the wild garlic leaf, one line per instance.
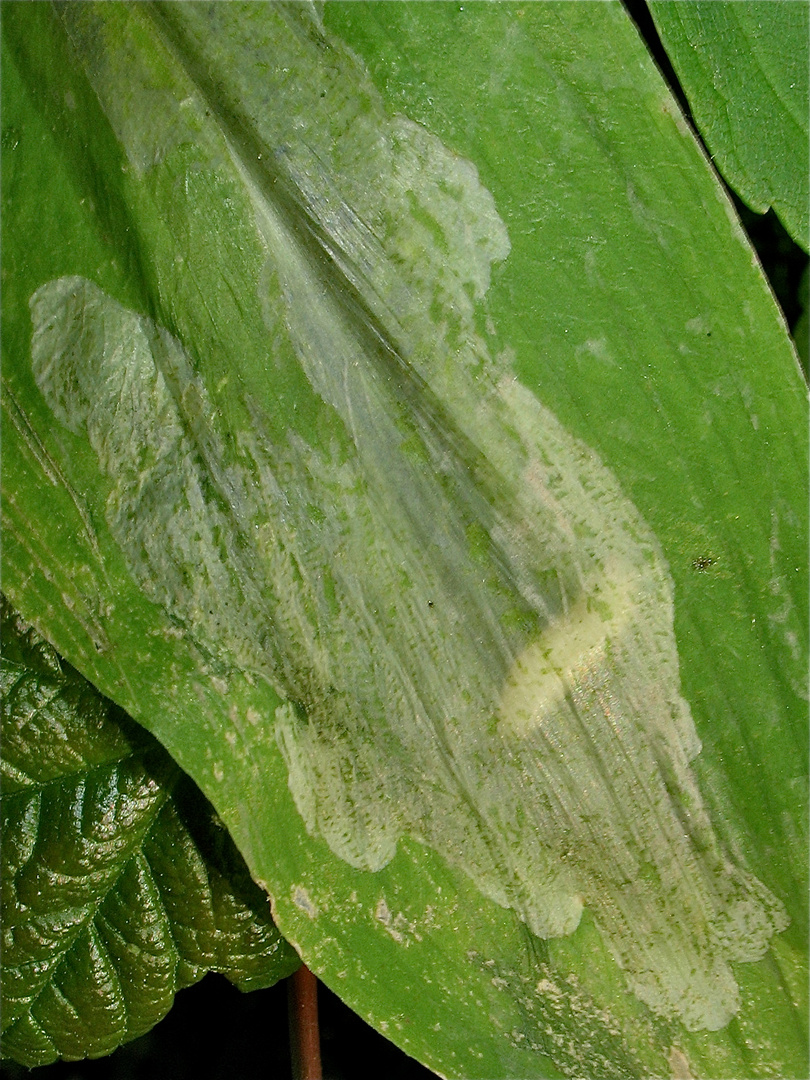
(415, 398)
(119, 885)
(461, 732)
(744, 69)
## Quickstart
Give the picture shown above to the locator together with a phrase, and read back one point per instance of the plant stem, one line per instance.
(302, 1007)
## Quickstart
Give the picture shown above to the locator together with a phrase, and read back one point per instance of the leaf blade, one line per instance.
(744, 71)
(302, 864)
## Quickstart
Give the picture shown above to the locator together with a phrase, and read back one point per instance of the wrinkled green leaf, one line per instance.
(120, 886)
(216, 230)
(745, 69)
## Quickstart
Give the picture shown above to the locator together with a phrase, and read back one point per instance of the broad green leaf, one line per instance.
(119, 886)
(386, 367)
(745, 69)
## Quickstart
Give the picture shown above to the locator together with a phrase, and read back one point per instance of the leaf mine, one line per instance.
(470, 622)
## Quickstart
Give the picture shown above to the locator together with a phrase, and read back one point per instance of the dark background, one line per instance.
(214, 1032)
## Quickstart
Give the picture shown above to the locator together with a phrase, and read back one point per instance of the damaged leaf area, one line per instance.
(376, 436)
(119, 887)
(526, 722)
(472, 625)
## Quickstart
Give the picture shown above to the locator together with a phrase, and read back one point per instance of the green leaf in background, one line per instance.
(282, 301)
(119, 887)
(745, 68)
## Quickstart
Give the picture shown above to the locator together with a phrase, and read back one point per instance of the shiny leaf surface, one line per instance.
(119, 885)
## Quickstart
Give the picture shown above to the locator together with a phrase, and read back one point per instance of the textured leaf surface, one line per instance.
(211, 259)
(744, 68)
(119, 886)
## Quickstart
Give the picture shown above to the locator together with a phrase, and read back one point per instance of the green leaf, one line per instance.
(744, 69)
(119, 885)
(372, 367)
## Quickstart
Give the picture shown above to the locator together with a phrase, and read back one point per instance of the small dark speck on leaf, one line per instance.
(702, 563)
(10, 139)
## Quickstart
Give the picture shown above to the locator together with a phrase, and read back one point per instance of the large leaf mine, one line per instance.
(472, 625)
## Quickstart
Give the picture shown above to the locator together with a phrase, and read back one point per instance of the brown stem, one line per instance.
(302, 1009)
